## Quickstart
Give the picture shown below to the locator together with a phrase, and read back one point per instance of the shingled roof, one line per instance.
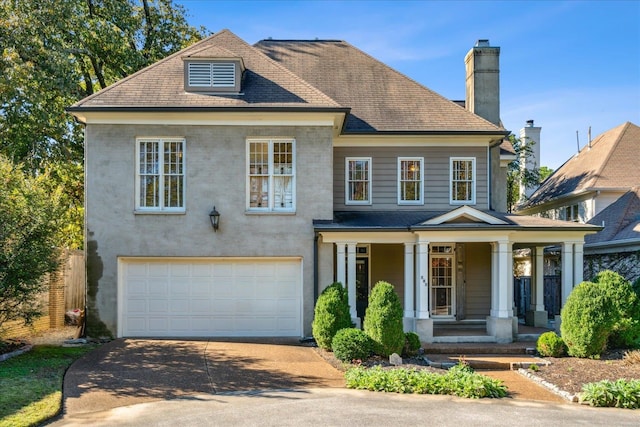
(161, 85)
(610, 161)
(621, 220)
(381, 99)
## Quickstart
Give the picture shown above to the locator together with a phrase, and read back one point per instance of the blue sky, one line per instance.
(568, 65)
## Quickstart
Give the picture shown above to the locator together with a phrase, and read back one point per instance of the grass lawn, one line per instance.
(31, 384)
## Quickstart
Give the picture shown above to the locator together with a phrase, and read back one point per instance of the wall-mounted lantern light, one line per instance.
(214, 216)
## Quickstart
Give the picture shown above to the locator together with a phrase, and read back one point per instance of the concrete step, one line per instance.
(485, 361)
(461, 348)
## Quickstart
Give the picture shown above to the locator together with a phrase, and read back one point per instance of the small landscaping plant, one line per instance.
(458, 381)
(619, 394)
(551, 345)
(383, 320)
(587, 320)
(330, 315)
(411, 344)
(351, 344)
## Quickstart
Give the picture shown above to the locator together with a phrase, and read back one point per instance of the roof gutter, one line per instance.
(174, 109)
(428, 132)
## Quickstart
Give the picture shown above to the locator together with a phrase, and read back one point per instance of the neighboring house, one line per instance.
(599, 186)
(325, 165)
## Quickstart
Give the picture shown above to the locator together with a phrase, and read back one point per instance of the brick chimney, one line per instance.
(483, 81)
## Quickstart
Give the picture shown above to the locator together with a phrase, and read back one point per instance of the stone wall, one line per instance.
(627, 264)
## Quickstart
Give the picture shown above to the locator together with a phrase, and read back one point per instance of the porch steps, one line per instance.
(487, 356)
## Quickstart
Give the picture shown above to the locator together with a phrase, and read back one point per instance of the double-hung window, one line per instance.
(160, 179)
(271, 172)
(358, 181)
(410, 181)
(462, 180)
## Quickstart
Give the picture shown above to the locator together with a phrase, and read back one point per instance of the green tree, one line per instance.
(331, 314)
(29, 216)
(56, 52)
(545, 172)
(517, 174)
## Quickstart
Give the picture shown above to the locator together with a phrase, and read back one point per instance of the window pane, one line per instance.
(149, 192)
(410, 180)
(259, 192)
(358, 180)
(258, 158)
(283, 192)
(462, 180)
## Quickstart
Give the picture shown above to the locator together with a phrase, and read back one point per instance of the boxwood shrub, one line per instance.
(586, 320)
(383, 320)
(331, 314)
(411, 344)
(351, 344)
(626, 314)
(550, 344)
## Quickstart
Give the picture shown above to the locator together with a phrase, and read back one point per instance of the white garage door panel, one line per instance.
(209, 297)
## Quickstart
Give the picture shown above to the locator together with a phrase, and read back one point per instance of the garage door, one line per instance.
(209, 297)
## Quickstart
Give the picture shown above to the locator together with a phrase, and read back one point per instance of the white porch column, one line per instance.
(494, 279)
(409, 288)
(501, 324)
(536, 315)
(351, 279)
(578, 263)
(422, 273)
(340, 264)
(539, 278)
(567, 270)
(424, 324)
(505, 304)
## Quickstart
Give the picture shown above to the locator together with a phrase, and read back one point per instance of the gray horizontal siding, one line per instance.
(478, 280)
(385, 176)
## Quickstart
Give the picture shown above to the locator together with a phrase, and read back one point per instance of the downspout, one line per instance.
(316, 277)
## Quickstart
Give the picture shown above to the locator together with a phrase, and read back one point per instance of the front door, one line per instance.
(442, 281)
(362, 286)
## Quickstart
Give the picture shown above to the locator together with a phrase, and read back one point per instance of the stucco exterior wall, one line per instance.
(215, 169)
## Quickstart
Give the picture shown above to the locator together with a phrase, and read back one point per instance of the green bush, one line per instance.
(383, 320)
(620, 394)
(551, 345)
(411, 344)
(626, 314)
(351, 344)
(586, 320)
(458, 381)
(330, 315)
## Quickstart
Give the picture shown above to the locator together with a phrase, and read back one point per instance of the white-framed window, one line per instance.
(358, 180)
(271, 173)
(572, 213)
(410, 180)
(160, 178)
(462, 180)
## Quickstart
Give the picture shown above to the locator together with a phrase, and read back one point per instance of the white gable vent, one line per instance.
(202, 76)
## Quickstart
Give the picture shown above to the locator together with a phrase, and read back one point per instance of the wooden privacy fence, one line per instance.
(522, 294)
(65, 292)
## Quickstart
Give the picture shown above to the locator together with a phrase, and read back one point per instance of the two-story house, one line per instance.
(599, 185)
(228, 184)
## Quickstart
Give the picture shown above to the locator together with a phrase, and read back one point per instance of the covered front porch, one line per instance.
(453, 271)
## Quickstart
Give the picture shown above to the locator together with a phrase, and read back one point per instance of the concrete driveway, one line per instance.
(128, 372)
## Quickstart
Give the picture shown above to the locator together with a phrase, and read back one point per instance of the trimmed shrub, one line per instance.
(330, 315)
(383, 320)
(551, 345)
(586, 320)
(351, 344)
(626, 314)
(620, 393)
(411, 344)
